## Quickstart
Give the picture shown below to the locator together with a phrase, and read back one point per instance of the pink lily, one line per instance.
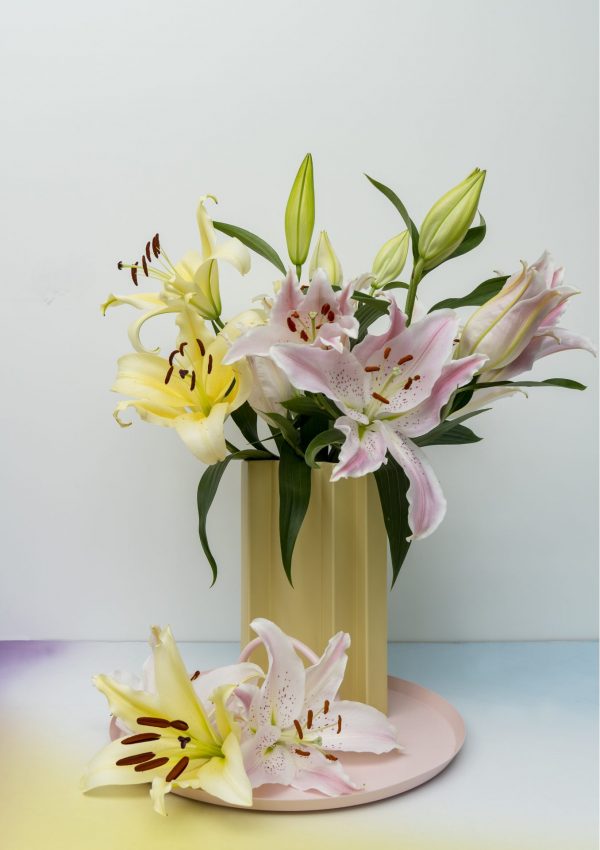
(391, 387)
(319, 317)
(293, 724)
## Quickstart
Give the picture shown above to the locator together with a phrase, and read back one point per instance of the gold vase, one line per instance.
(339, 571)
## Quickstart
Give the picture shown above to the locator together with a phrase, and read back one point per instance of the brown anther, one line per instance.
(201, 347)
(181, 347)
(183, 373)
(372, 368)
(209, 365)
(417, 378)
(134, 270)
(309, 718)
(168, 375)
(193, 381)
(291, 325)
(153, 721)
(339, 726)
(455, 340)
(148, 255)
(304, 336)
(331, 315)
(381, 398)
(229, 388)
(120, 265)
(179, 724)
(155, 245)
(405, 359)
(330, 757)
(295, 314)
(326, 706)
(178, 769)
(183, 740)
(145, 265)
(141, 738)
(172, 355)
(302, 752)
(151, 765)
(135, 759)
(319, 326)
(408, 384)
(386, 353)
(325, 309)
(298, 729)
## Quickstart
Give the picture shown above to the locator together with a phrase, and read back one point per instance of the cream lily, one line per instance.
(171, 741)
(194, 280)
(192, 391)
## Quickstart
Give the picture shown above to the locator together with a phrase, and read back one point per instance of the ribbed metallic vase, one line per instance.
(339, 571)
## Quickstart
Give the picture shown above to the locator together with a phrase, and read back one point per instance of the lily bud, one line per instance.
(324, 257)
(446, 224)
(390, 259)
(300, 213)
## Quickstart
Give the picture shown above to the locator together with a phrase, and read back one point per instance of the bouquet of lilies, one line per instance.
(312, 360)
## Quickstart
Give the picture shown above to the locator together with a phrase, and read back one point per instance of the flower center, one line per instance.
(308, 325)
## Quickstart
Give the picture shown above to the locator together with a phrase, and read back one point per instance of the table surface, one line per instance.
(526, 778)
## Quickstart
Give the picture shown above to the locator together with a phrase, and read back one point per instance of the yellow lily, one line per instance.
(194, 280)
(191, 391)
(171, 739)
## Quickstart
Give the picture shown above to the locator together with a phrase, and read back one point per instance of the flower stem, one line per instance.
(411, 295)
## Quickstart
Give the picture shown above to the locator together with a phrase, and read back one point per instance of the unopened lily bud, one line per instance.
(300, 213)
(390, 259)
(446, 224)
(324, 257)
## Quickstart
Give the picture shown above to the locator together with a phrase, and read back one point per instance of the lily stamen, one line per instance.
(179, 724)
(326, 706)
(372, 368)
(299, 729)
(150, 765)
(330, 757)
(408, 384)
(141, 738)
(405, 359)
(339, 724)
(301, 752)
(153, 721)
(309, 718)
(178, 769)
(380, 398)
(201, 347)
(141, 757)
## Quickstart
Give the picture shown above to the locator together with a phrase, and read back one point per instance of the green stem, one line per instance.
(411, 295)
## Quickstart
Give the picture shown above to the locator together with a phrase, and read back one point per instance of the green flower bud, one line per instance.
(324, 257)
(390, 259)
(300, 213)
(446, 224)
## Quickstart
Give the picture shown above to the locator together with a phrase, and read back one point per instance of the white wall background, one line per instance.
(116, 117)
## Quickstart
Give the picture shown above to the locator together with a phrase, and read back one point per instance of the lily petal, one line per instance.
(364, 729)
(225, 777)
(426, 502)
(281, 696)
(203, 435)
(265, 760)
(324, 678)
(360, 454)
(233, 674)
(315, 772)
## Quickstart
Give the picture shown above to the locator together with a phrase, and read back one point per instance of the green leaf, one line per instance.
(566, 383)
(393, 197)
(294, 496)
(252, 241)
(246, 420)
(392, 485)
(325, 438)
(302, 404)
(207, 488)
(396, 284)
(451, 432)
(477, 297)
(370, 309)
(288, 432)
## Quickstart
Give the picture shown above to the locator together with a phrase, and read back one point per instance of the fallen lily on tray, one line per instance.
(236, 727)
(352, 371)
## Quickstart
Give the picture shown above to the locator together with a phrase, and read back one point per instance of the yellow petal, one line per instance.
(208, 237)
(143, 377)
(203, 435)
(141, 301)
(125, 702)
(225, 777)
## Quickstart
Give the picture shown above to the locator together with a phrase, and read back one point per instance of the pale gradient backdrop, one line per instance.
(117, 116)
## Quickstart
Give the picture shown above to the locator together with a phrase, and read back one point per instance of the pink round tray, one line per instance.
(430, 730)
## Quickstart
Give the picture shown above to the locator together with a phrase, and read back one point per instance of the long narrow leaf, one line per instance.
(566, 383)
(252, 241)
(332, 437)
(370, 309)
(246, 420)
(294, 496)
(392, 485)
(393, 197)
(476, 297)
(451, 432)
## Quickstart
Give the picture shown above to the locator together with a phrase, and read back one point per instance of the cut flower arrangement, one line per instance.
(306, 359)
